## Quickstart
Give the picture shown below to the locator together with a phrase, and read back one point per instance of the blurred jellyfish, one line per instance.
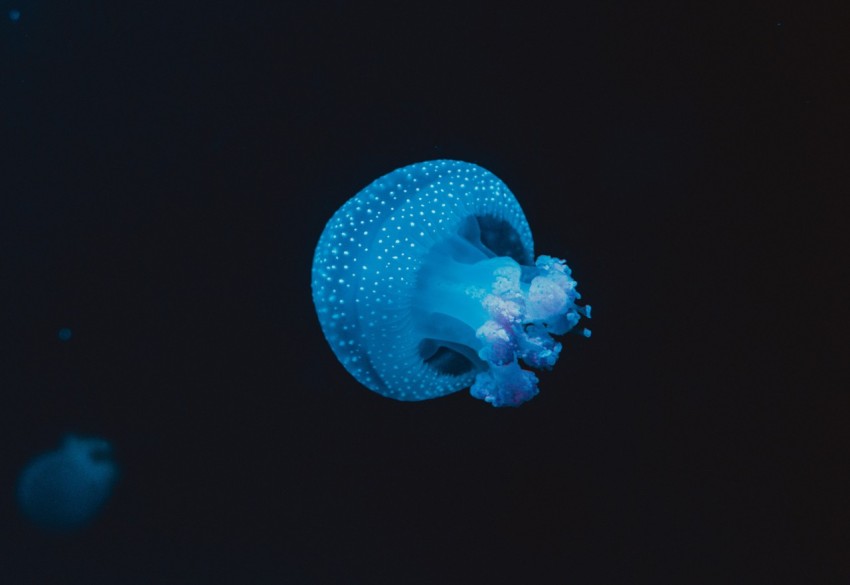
(63, 490)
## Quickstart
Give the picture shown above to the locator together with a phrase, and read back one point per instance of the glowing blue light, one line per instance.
(64, 334)
(425, 283)
(14, 15)
(63, 490)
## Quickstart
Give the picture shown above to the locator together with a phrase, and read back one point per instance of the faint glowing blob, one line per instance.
(63, 490)
(14, 15)
(64, 334)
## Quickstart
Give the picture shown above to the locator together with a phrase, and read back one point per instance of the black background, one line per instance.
(167, 171)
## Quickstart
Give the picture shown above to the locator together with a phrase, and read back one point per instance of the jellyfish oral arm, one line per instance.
(503, 312)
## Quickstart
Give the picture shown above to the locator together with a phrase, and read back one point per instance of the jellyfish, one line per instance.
(425, 283)
(63, 490)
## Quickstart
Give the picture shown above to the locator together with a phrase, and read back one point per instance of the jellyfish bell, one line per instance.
(425, 283)
(63, 490)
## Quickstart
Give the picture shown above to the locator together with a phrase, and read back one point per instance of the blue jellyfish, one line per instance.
(62, 490)
(425, 283)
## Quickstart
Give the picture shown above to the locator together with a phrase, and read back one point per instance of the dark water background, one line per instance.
(169, 167)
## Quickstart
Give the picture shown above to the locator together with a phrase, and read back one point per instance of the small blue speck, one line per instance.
(64, 334)
(14, 15)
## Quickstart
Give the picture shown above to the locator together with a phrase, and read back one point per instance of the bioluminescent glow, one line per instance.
(63, 490)
(425, 283)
